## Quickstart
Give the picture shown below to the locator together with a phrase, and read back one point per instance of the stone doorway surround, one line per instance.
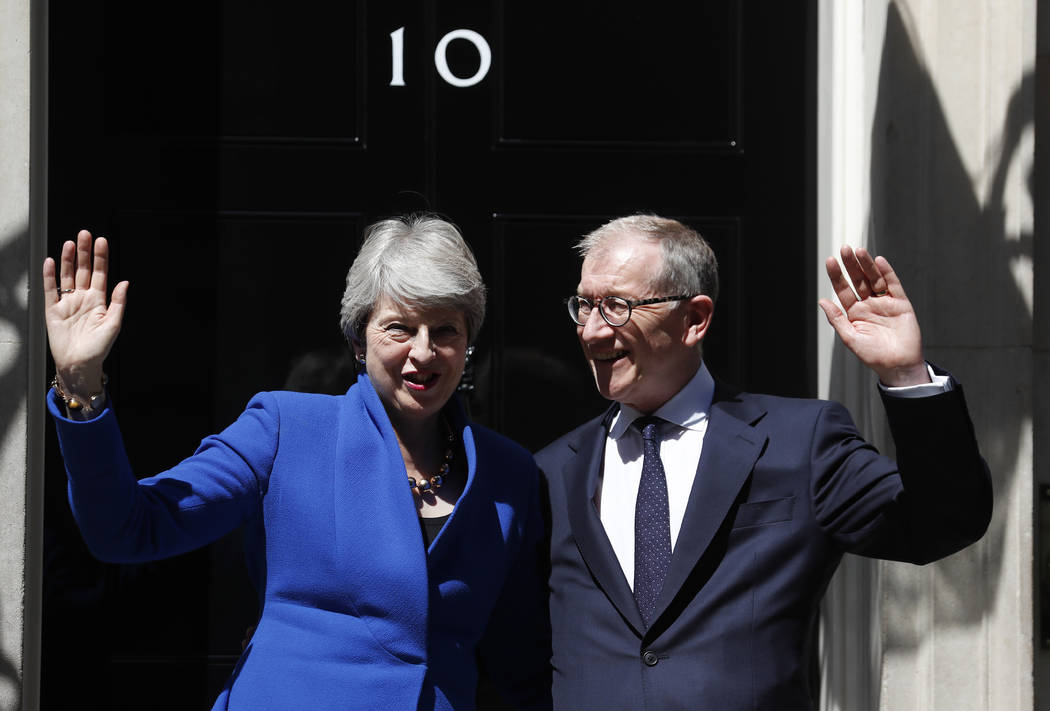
(927, 125)
(23, 128)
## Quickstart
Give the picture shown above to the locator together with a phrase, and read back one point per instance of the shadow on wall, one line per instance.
(13, 316)
(954, 256)
(10, 687)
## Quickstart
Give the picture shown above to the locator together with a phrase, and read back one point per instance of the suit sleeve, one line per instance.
(199, 500)
(933, 501)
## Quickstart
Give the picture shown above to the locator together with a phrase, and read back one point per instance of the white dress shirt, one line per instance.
(682, 441)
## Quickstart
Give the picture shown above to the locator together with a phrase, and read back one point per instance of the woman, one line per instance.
(337, 494)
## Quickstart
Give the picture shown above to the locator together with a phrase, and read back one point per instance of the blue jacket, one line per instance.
(355, 614)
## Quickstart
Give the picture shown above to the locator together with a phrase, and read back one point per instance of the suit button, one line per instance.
(650, 658)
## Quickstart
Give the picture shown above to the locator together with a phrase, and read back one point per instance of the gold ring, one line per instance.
(880, 293)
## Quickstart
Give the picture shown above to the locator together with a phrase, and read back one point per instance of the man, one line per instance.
(690, 551)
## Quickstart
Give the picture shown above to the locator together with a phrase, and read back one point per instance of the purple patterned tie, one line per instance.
(652, 523)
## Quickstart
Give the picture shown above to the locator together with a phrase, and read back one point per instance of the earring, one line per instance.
(361, 359)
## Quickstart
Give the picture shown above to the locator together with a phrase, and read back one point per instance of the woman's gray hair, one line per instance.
(689, 263)
(416, 260)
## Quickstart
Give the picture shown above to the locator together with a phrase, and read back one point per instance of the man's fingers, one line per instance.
(838, 320)
(100, 272)
(893, 282)
(872, 274)
(843, 290)
(855, 271)
(832, 311)
(83, 275)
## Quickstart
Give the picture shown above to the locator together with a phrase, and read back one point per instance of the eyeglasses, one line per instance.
(616, 310)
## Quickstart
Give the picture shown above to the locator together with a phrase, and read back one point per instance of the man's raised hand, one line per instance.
(876, 322)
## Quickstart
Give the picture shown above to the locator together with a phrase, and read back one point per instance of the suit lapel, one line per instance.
(731, 448)
(581, 480)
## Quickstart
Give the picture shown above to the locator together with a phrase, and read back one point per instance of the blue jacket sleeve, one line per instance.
(199, 500)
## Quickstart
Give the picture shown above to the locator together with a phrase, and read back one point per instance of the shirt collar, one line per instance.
(687, 409)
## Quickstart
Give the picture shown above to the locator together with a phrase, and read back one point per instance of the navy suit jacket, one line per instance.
(784, 487)
(355, 614)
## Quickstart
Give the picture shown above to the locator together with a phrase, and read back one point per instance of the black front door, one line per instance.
(233, 152)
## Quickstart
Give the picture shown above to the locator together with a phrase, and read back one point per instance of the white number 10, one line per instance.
(397, 50)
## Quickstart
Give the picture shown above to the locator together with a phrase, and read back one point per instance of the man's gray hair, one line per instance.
(418, 261)
(689, 263)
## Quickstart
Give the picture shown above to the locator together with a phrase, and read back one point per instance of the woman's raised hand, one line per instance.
(81, 329)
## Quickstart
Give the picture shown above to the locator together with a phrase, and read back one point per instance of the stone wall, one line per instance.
(944, 106)
(21, 363)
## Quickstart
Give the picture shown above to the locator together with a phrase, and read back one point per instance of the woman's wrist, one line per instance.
(84, 398)
(80, 378)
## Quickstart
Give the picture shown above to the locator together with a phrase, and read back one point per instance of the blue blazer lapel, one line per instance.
(581, 481)
(731, 448)
(467, 507)
(376, 526)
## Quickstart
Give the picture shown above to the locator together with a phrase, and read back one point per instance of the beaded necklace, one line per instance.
(429, 486)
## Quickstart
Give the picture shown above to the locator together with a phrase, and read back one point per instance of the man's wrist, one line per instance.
(918, 374)
(937, 384)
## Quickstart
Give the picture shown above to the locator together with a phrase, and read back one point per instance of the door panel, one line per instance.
(618, 75)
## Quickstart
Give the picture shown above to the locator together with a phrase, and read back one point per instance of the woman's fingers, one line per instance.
(69, 251)
(83, 268)
(50, 284)
(115, 312)
(83, 275)
(84, 264)
(100, 271)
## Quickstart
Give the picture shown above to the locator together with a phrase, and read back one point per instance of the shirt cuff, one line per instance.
(938, 384)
